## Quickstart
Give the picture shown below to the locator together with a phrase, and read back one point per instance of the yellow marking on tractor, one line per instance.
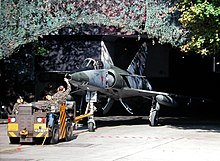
(40, 134)
(62, 121)
(40, 126)
(12, 127)
(12, 134)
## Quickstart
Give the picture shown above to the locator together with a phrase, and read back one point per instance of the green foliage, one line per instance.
(202, 19)
(41, 51)
(162, 23)
(23, 21)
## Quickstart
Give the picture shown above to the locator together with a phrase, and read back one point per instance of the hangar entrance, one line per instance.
(167, 69)
(67, 53)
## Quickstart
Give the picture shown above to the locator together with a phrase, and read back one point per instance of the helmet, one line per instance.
(20, 100)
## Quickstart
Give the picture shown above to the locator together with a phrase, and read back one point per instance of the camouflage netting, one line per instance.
(25, 21)
(66, 55)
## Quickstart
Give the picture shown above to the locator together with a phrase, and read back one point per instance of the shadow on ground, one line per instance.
(187, 123)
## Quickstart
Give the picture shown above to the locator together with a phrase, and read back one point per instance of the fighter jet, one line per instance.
(104, 78)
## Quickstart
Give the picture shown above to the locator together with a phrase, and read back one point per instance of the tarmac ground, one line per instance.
(126, 138)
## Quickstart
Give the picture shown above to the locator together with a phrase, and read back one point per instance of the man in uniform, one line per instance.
(59, 98)
(62, 93)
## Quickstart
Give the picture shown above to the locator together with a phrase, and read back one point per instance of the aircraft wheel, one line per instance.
(91, 127)
(154, 118)
(14, 140)
(69, 132)
(55, 135)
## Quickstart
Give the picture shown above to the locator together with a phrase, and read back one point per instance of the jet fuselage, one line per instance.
(108, 81)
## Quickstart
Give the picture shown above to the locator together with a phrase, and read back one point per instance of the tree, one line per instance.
(202, 20)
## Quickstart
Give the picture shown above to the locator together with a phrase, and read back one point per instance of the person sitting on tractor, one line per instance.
(20, 100)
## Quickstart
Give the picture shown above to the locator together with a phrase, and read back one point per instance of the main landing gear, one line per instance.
(154, 113)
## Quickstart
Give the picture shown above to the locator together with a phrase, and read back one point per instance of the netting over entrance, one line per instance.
(25, 21)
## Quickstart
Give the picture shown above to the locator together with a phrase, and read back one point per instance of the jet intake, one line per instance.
(110, 79)
(166, 100)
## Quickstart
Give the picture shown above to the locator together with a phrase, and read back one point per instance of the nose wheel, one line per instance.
(91, 126)
(91, 121)
(91, 97)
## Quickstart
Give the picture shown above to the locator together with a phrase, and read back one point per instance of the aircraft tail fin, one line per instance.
(138, 64)
(105, 56)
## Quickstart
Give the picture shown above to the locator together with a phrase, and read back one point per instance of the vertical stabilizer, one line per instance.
(138, 64)
(105, 56)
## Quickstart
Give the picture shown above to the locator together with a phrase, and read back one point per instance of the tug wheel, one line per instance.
(55, 135)
(14, 140)
(69, 132)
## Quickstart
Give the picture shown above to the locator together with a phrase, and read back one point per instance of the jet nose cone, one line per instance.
(79, 77)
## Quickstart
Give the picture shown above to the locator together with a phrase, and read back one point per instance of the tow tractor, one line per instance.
(31, 123)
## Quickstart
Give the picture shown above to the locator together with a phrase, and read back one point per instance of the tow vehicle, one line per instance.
(31, 123)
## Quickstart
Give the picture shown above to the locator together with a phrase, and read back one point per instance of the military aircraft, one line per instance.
(104, 78)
